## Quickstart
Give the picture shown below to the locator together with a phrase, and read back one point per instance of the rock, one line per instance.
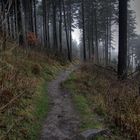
(90, 134)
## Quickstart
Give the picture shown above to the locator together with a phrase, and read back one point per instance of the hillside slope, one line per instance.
(23, 91)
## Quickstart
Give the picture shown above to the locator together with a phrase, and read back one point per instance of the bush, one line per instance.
(36, 69)
(5, 97)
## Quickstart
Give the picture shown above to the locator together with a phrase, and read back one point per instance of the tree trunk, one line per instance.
(60, 25)
(66, 30)
(31, 16)
(55, 44)
(83, 22)
(21, 23)
(70, 30)
(122, 57)
(35, 22)
(96, 37)
(44, 22)
(106, 42)
(48, 26)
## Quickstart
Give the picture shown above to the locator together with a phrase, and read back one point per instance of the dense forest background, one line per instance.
(50, 24)
(92, 44)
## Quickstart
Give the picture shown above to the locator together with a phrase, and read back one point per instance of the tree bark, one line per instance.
(66, 30)
(35, 22)
(96, 37)
(70, 28)
(44, 22)
(83, 23)
(55, 43)
(60, 25)
(122, 57)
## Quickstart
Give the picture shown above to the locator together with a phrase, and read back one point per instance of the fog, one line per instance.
(135, 5)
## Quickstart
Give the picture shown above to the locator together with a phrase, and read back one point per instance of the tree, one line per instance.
(55, 43)
(122, 56)
(83, 23)
(44, 6)
(60, 25)
(66, 30)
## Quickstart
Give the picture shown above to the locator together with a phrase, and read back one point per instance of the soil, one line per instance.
(62, 122)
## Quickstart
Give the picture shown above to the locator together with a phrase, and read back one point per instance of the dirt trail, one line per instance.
(62, 121)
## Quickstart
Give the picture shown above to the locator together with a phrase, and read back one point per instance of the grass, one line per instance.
(41, 108)
(40, 101)
(39, 105)
(88, 88)
(27, 73)
(88, 118)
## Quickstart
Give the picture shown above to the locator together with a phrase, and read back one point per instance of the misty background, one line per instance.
(135, 5)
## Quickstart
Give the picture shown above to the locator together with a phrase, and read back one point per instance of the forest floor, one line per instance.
(62, 122)
(74, 108)
(35, 85)
(102, 101)
(24, 77)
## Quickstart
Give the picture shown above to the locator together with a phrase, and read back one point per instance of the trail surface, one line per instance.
(62, 122)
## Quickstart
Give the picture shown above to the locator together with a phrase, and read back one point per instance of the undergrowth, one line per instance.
(82, 104)
(104, 102)
(40, 108)
(23, 91)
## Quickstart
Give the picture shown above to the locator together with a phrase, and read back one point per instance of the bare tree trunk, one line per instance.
(8, 25)
(48, 26)
(122, 57)
(21, 24)
(92, 34)
(55, 43)
(66, 30)
(96, 37)
(106, 43)
(31, 16)
(70, 29)
(44, 22)
(60, 25)
(35, 22)
(12, 24)
(83, 23)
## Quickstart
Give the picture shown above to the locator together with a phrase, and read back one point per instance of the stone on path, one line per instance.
(90, 134)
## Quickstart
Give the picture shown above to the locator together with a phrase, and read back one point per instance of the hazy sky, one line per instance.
(135, 4)
(76, 35)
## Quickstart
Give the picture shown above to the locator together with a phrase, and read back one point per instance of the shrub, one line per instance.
(32, 38)
(5, 97)
(36, 69)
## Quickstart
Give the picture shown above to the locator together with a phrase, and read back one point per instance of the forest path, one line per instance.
(62, 122)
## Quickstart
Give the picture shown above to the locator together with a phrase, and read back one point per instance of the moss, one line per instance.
(40, 107)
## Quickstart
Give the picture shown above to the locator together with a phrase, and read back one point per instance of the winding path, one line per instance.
(62, 122)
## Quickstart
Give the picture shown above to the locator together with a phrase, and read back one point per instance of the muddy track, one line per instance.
(62, 122)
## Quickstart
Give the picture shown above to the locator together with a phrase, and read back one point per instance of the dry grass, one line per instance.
(119, 101)
(21, 73)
